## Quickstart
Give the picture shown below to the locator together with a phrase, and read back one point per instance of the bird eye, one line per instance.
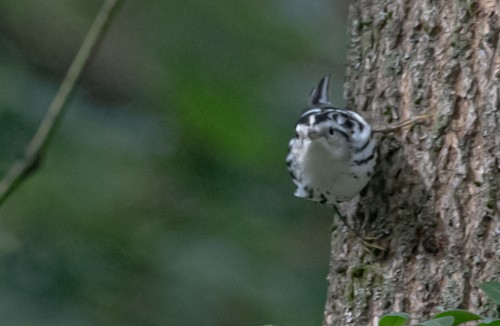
(331, 130)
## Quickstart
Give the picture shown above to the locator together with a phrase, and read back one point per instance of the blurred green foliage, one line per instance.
(164, 198)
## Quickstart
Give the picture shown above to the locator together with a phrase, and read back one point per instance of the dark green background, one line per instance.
(164, 197)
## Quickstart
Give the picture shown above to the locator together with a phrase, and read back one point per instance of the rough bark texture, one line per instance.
(435, 197)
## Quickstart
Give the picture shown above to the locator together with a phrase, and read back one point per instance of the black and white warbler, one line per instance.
(333, 154)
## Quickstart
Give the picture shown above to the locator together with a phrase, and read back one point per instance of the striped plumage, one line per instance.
(333, 154)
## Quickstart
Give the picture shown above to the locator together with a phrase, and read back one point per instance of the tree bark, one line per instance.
(434, 199)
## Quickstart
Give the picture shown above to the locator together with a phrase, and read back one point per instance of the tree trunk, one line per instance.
(435, 196)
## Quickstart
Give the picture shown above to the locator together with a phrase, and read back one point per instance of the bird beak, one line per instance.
(313, 134)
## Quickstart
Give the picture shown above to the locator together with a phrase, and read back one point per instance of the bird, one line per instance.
(333, 154)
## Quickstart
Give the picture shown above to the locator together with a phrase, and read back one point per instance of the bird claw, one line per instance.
(368, 245)
(367, 238)
(402, 124)
(367, 241)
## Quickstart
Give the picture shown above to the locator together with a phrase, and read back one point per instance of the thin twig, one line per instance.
(22, 167)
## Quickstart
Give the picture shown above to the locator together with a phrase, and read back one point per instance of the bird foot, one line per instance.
(402, 124)
(369, 245)
(367, 241)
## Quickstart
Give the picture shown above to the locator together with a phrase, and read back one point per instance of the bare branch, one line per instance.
(24, 166)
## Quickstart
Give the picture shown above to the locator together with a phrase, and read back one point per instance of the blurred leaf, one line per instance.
(492, 290)
(394, 319)
(445, 321)
(461, 316)
(490, 322)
